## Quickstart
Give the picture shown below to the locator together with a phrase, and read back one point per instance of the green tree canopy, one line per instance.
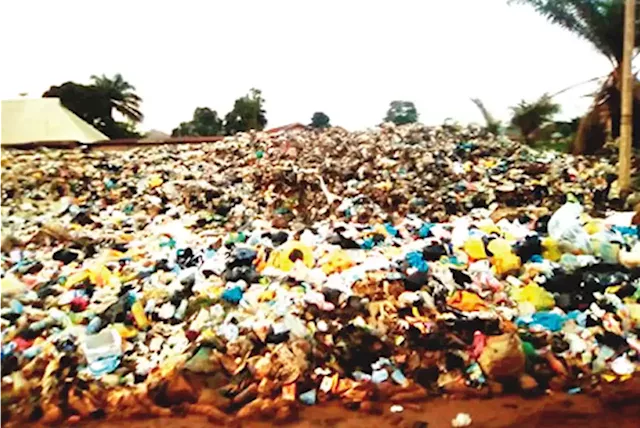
(401, 112)
(87, 102)
(528, 117)
(601, 23)
(598, 21)
(248, 113)
(205, 122)
(121, 95)
(93, 105)
(320, 120)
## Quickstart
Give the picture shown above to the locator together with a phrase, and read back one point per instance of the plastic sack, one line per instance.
(548, 320)
(285, 257)
(536, 295)
(505, 263)
(565, 226)
(474, 247)
(466, 301)
(502, 357)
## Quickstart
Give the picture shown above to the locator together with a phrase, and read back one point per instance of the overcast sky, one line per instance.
(346, 58)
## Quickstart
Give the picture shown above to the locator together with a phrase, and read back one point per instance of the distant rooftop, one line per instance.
(29, 120)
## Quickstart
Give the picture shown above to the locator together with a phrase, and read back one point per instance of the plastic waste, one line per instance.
(103, 351)
(550, 321)
(565, 226)
(309, 397)
(139, 315)
(532, 293)
(207, 259)
(466, 301)
(622, 366)
(502, 357)
(505, 263)
(474, 247)
(379, 376)
(461, 420)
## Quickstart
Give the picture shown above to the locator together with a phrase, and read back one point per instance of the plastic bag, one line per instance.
(565, 226)
(502, 357)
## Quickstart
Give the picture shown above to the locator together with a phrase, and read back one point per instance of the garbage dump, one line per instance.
(265, 272)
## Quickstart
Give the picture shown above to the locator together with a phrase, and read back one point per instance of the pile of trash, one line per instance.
(253, 276)
(303, 176)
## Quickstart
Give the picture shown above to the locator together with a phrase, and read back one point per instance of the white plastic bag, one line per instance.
(565, 227)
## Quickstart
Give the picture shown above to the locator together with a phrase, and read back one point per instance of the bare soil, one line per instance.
(613, 406)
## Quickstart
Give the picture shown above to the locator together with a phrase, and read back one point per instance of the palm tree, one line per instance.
(493, 125)
(530, 117)
(601, 23)
(122, 95)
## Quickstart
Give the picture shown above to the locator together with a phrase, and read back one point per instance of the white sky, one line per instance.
(346, 58)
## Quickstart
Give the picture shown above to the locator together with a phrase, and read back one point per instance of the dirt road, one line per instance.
(616, 406)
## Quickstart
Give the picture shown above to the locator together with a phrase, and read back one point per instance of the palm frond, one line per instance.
(598, 21)
(121, 95)
(130, 111)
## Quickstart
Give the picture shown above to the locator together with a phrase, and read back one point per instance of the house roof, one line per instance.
(43, 120)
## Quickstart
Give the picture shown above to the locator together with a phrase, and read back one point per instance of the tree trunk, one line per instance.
(594, 130)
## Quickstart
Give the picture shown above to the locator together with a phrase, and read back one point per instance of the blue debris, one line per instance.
(425, 229)
(16, 306)
(382, 361)
(309, 397)
(109, 184)
(379, 376)
(367, 244)
(548, 320)
(232, 295)
(104, 366)
(390, 229)
(31, 352)
(625, 230)
(398, 377)
(536, 258)
(415, 260)
(361, 376)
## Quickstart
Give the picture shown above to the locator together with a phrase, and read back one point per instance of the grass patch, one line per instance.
(558, 146)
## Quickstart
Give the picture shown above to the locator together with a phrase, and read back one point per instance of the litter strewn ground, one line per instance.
(253, 276)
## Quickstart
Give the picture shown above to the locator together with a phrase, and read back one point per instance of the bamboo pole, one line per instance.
(624, 161)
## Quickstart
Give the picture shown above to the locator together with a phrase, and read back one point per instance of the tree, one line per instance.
(600, 22)
(94, 104)
(401, 112)
(320, 120)
(205, 122)
(567, 128)
(530, 117)
(126, 129)
(121, 94)
(87, 102)
(248, 113)
(493, 126)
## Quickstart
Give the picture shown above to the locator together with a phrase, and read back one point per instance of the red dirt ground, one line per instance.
(615, 406)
